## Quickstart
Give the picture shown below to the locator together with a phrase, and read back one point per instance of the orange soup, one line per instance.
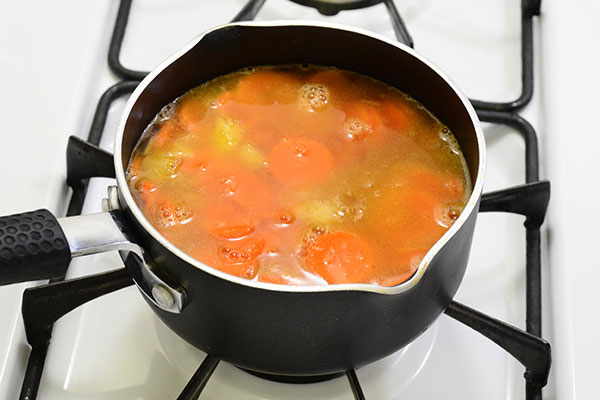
(300, 175)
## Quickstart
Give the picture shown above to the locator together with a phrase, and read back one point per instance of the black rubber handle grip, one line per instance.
(32, 247)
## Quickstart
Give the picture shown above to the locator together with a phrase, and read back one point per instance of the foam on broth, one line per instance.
(300, 175)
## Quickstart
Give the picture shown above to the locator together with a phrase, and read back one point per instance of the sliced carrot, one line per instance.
(144, 186)
(301, 161)
(216, 255)
(340, 257)
(407, 215)
(242, 251)
(196, 164)
(248, 189)
(136, 165)
(145, 189)
(277, 279)
(333, 79)
(366, 112)
(164, 136)
(234, 231)
(396, 114)
(414, 204)
(191, 111)
(246, 270)
(442, 185)
(401, 265)
(266, 87)
(229, 221)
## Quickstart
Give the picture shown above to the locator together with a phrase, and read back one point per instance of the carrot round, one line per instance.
(402, 264)
(229, 221)
(365, 112)
(408, 216)
(242, 251)
(301, 161)
(277, 279)
(333, 79)
(235, 257)
(191, 111)
(248, 189)
(164, 136)
(264, 87)
(397, 114)
(441, 185)
(340, 257)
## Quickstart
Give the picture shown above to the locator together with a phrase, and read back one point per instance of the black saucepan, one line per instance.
(276, 329)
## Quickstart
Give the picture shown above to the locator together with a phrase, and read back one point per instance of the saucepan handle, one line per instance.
(33, 246)
(36, 245)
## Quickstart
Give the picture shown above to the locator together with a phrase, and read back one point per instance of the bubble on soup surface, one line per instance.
(309, 237)
(450, 140)
(166, 112)
(168, 214)
(350, 206)
(356, 130)
(172, 166)
(314, 96)
(455, 187)
(228, 185)
(163, 165)
(142, 185)
(241, 252)
(446, 215)
(285, 217)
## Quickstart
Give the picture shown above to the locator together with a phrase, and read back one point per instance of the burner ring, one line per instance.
(332, 7)
(294, 379)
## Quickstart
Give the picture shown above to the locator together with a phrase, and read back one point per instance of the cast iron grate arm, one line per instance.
(44, 305)
(529, 9)
(355, 385)
(38, 333)
(249, 11)
(530, 200)
(534, 209)
(116, 41)
(198, 381)
(81, 156)
(526, 130)
(85, 160)
(531, 351)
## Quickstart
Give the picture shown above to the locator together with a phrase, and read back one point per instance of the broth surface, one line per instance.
(300, 175)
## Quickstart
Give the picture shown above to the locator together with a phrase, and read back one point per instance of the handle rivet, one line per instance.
(162, 296)
(113, 198)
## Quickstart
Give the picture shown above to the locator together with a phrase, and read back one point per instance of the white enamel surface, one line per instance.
(571, 92)
(53, 63)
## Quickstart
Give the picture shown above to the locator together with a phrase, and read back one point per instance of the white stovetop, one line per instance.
(53, 70)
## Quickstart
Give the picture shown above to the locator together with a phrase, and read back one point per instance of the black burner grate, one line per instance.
(44, 305)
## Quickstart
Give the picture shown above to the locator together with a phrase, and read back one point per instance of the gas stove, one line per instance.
(55, 72)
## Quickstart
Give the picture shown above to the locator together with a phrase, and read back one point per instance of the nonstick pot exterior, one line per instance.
(289, 331)
(307, 333)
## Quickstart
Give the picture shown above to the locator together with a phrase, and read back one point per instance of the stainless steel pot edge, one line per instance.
(413, 281)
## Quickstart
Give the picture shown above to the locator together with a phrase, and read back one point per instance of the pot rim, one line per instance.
(402, 287)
